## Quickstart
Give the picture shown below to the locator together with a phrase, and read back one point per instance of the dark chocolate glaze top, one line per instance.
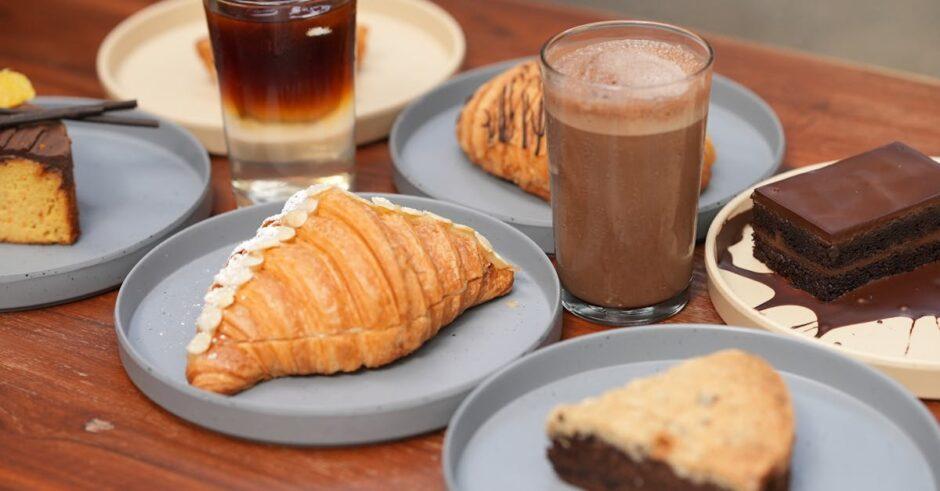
(857, 193)
(46, 143)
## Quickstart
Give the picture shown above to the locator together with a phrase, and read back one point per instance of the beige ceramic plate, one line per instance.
(906, 349)
(413, 45)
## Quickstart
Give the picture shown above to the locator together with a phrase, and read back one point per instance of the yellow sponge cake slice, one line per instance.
(37, 187)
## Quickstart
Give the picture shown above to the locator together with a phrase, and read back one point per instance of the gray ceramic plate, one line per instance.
(856, 428)
(428, 161)
(135, 187)
(158, 304)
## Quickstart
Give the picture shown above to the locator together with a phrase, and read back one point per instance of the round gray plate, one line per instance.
(158, 304)
(856, 428)
(428, 161)
(135, 187)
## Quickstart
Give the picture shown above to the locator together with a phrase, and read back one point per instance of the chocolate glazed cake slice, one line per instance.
(835, 229)
(719, 422)
(37, 186)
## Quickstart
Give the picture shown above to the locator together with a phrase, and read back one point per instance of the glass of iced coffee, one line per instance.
(285, 72)
(625, 104)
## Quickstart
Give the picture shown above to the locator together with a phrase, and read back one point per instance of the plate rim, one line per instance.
(123, 309)
(204, 164)
(118, 36)
(396, 141)
(451, 457)
(717, 281)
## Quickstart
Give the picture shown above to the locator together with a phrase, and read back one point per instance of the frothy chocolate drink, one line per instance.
(626, 125)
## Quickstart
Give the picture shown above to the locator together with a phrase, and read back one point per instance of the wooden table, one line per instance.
(59, 366)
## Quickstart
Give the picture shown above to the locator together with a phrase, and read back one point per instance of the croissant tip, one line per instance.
(218, 382)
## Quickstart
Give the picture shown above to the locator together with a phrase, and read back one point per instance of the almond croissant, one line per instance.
(336, 283)
(502, 129)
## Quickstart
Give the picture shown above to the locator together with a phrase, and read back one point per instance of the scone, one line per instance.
(501, 128)
(718, 422)
(335, 283)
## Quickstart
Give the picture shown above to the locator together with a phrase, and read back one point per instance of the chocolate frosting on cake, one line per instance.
(857, 193)
(43, 208)
(46, 143)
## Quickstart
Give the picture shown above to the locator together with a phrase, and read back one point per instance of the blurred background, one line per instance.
(894, 34)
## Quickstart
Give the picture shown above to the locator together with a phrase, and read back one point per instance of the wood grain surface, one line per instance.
(59, 367)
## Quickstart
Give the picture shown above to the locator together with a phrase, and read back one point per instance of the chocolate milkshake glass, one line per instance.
(625, 106)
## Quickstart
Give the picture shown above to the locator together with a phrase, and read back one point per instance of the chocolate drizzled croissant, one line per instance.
(502, 129)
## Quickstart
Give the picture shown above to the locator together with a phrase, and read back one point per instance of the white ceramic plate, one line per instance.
(904, 348)
(413, 45)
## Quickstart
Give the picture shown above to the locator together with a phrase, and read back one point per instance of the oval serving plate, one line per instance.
(906, 349)
(158, 304)
(428, 160)
(134, 187)
(855, 428)
(412, 46)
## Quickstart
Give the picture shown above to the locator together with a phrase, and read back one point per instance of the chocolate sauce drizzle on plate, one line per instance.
(914, 294)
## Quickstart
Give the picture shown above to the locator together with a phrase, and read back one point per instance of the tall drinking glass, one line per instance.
(626, 104)
(285, 70)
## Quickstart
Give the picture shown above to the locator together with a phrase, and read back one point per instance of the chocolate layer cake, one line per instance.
(835, 229)
(37, 188)
(719, 422)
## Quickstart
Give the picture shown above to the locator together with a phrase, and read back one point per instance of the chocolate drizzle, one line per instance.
(537, 115)
(506, 113)
(503, 119)
(45, 142)
(913, 295)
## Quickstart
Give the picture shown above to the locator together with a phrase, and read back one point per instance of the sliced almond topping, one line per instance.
(199, 344)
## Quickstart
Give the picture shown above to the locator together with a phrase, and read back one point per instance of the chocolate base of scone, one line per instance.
(592, 464)
(827, 287)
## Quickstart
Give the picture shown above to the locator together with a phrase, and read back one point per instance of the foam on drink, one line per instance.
(629, 87)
